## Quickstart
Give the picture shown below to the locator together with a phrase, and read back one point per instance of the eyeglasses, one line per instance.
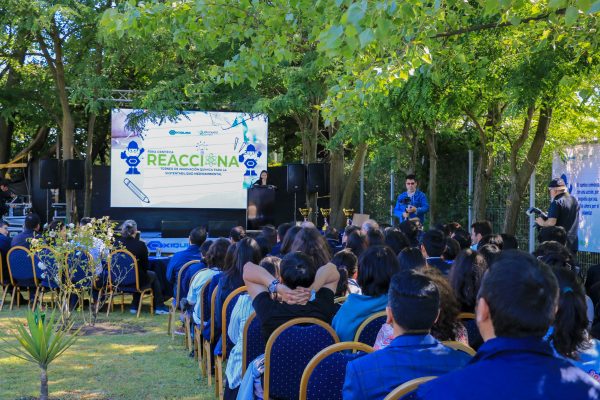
(411, 183)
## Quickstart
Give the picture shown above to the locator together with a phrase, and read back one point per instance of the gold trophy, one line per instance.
(325, 212)
(305, 212)
(348, 212)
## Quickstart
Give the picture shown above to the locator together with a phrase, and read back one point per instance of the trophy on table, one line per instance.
(325, 212)
(305, 212)
(348, 212)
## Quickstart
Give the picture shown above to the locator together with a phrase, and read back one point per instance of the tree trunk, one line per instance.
(38, 141)
(351, 182)
(44, 383)
(521, 175)
(89, 161)
(430, 140)
(336, 186)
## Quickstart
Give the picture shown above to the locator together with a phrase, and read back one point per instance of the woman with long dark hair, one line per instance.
(288, 239)
(312, 243)
(465, 278)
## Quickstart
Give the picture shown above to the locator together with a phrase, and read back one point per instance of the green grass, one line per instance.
(142, 365)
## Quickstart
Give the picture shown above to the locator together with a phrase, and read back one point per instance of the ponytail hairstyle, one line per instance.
(570, 324)
(128, 229)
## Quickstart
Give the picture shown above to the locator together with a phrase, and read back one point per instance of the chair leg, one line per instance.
(5, 290)
(109, 304)
(140, 304)
(198, 338)
(151, 302)
(208, 363)
(122, 302)
(98, 300)
(35, 297)
(12, 299)
(188, 334)
(219, 377)
(170, 331)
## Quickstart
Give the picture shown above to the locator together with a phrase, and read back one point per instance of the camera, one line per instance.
(536, 212)
(406, 201)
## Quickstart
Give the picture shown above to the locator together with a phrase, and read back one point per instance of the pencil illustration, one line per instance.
(136, 190)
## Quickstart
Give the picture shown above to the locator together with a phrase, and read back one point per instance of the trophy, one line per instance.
(348, 212)
(305, 212)
(325, 212)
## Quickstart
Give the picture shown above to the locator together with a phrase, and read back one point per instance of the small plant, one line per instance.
(40, 343)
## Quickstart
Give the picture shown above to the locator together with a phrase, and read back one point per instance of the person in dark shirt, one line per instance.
(147, 277)
(432, 247)
(516, 306)
(31, 228)
(563, 211)
(298, 276)
(5, 196)
(4, 247)
(196, 238)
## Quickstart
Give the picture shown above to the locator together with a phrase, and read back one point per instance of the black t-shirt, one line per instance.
(565, 209)
(273, 314)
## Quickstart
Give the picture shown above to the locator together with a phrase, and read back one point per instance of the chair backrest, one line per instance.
(466, 315)
(340, 300)
(226, 312)
(298, 340)
(204, 302)
(253, 342)
(459, 346)
(20, 265)
(213, 307)
(368, 330)
(123, 269)
(179, 277)
(46, 267)
(81, 268)
(324, 376)
(407, 388)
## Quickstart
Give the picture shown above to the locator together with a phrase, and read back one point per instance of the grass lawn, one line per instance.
(145, 364)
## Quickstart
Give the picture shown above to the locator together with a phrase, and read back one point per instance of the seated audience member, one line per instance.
(569, 335)
(347, 232)
(368, 225)
(509, 242)
(298, 274)
(4, 248)
(491, 239)
(411, 258)
(357, 243)
(490, 252)
(247, 250)
(451, 227)
(463, 238)
(375, 238)
(375, 268)
(516, 306)
(146, 276)
(432, 247)
(236, 234)
(188, 274)
(479, 229)
(270, 233)
(346, 259)
(413, 306)
(451, 251)
(196, 238)
(411, 230)
(310, 242)
(465, 278)
(447, 326)
(218, 263)
(288, 239)
(281, 231)
(240, 314)
(264, 243)
(396, 240)
(31, 229)
(552, 233)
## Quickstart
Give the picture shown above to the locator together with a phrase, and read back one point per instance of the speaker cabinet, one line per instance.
(74, 174)
(175, 229)
(296, 178)
(49, 174)
(318, 178)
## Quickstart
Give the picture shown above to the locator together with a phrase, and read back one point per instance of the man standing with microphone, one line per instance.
(412, 204)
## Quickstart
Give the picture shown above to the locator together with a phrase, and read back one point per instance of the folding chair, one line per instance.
(460, 347)
(408, 389)
(204, 299)
(323, 378)
(207, 353)
(300, 340)
(21, 271)
(123, 277)
(368, 330)
(253, 343)
(174, 307)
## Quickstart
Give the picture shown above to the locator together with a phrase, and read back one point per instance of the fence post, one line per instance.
(362, 188)
(470, 190)
(392, 196)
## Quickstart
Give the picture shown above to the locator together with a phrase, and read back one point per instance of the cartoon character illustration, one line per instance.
(132, 157)
(250, 159)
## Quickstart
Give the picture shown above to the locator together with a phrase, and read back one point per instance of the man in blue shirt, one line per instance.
(516, 305)
(433, 245)
(413, 203)
(31, 227)
(197, 237)
(413, 307)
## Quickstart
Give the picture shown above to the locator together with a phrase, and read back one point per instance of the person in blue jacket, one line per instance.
(413, 203)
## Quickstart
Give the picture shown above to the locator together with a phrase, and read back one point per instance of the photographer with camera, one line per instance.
(412, 204)
(563, 211)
